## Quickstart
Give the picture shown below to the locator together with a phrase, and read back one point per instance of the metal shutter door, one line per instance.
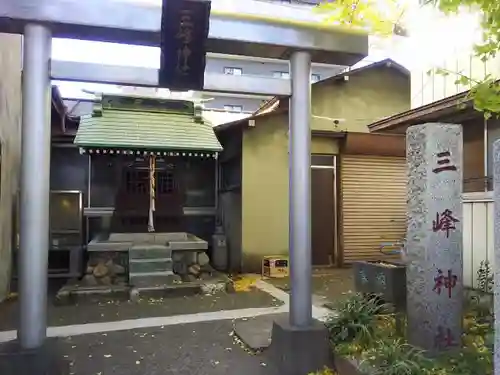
(373, 205)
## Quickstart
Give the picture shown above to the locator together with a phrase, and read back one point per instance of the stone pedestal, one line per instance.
(300, 351)
(47, 360)
(434, 236)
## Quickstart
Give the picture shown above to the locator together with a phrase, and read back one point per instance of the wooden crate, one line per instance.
(275, 266)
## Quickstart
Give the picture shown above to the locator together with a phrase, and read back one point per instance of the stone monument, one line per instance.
(434, 236)
(496, 188)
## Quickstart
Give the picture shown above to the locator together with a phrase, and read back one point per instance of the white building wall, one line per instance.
(478, 234)
(439, 41)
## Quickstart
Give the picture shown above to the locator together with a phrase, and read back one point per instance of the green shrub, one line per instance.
(394, 357)
(354, 320)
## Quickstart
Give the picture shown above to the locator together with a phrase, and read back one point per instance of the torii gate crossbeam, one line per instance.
(148, 77)
(140, 23)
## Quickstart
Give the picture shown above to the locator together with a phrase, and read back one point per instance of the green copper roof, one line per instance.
(146, 124)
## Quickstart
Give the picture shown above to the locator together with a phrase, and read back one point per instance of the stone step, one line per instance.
(149, 251)
(150, 265)
(152, 279)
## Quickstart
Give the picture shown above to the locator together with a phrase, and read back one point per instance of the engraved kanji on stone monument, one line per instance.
(444, 338)
(364, 278)
(434, 236)
(445, 222)
(442, 282)
(444, 163)
(381, 281)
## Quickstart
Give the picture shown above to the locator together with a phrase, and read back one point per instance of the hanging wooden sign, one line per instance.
(184, 33)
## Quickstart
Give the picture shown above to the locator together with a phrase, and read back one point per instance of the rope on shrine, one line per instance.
(152, 190)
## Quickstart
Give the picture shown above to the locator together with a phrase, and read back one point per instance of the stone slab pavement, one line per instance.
(256, 332)
(208, 348)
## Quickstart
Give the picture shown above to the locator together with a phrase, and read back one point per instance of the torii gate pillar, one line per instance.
(300, 345)
(30, 354)
(35, 186)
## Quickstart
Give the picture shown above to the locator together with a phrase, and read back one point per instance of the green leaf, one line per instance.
(380, 17)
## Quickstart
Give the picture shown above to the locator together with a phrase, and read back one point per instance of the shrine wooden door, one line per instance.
(133, 198)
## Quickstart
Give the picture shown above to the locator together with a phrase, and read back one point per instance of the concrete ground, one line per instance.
(102, 309)
(207, 348)
(188, 349)
(328, 284)
(174, 335)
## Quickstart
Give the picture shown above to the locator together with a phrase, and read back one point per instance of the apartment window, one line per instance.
(233, 108)
(284, 75)
(232, 71)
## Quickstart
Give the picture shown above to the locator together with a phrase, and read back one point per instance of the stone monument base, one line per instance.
(300, 351)
(47, 360)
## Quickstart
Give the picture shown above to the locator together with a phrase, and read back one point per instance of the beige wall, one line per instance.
(10, 121)
(265, 188)
(366, 97)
